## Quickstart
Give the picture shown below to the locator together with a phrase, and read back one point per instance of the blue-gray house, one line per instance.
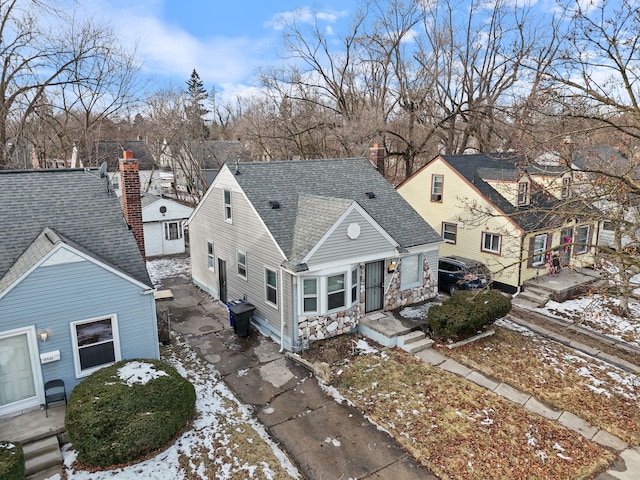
(75, 294)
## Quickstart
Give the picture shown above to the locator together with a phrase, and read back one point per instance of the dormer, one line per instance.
(524, 191)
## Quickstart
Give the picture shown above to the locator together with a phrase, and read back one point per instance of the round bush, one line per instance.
(122, 412)
(11, 461)
(466, 312)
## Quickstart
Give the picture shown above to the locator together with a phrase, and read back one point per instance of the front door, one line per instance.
(20, 376)
(374, 286)
(222, 280)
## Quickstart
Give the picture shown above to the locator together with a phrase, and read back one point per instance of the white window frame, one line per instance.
(416, 279)
(454, 233)
(268, 286)
(566, 186)
(523, 192)
(437, 194)
(315, 295)
(211, 257)
(242, 269)
(491, 248)
(354, 286)
(167, 230)
(541, 251)
(582, 241)
(228, 210)
(76, 348)
(343, 290)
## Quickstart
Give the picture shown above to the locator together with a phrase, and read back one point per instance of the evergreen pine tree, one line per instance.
(195, 111)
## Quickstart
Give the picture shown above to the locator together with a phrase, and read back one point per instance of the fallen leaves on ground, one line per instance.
(603, 395)
(459, 430)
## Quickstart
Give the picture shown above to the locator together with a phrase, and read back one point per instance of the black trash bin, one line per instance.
(241, 315)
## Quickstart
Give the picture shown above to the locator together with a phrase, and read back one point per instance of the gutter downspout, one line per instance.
(520, 265)
(281, 312)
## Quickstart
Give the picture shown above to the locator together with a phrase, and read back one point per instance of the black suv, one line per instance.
(458, 273)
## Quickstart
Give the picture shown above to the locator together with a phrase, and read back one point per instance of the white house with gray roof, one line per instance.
(163, 222)
(314, 245)
(75, 294)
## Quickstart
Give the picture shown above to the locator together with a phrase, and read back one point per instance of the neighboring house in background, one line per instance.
(495, 209)
(75, 294)
(198, 156)
(163, 221)
(314, 245)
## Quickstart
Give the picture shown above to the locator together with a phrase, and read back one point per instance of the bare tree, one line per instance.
(78, 65)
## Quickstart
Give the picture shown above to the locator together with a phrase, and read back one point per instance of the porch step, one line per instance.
(414, 341)
(538, 296)
(41, 455)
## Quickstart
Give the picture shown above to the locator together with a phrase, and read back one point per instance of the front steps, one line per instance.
(414, 341)
(42, 458)
(535, 295)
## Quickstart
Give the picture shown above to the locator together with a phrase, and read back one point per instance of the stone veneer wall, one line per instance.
(395, 298)
(319, 327)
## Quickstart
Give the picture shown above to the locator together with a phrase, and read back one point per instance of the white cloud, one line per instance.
(303, 15)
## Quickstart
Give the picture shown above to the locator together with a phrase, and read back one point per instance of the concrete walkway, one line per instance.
(326, 439)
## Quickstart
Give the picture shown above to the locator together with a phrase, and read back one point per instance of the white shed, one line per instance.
(163, 220)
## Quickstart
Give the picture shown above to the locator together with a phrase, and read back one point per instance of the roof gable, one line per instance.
(479, 168)
(74, 204)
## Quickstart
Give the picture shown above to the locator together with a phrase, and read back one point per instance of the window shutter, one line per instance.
(532, 241)
(166, 231)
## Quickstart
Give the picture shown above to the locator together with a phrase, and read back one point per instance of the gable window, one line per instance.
(491, 242)
(172, 230)
(523, 193)
(309, 295)
(241, 258)
(539, 247)
(354, 285)
(449, 232)
(95, 344)
(271, 285)
(335, 291)
(227, 205)
(566, 186)
(210, 256)
(437, 182)
(411, 271)
(582, 239)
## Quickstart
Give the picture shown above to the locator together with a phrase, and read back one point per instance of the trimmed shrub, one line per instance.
(122, 412)
(466, 312)
(11, 461)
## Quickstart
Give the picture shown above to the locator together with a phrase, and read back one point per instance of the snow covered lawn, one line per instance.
(598, 313)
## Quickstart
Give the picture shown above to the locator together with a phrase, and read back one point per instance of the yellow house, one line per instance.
(497, 209)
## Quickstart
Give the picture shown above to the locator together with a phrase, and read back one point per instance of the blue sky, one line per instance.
(225, 41)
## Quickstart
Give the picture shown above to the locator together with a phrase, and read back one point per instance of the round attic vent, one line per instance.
(163, 209)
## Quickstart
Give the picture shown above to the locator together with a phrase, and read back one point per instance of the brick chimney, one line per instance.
(131, 203)
(376, 157)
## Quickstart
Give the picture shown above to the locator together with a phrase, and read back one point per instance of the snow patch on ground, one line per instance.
(168, 267)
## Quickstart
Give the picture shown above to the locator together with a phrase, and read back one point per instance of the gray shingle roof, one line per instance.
(345, 178)
(76, 206)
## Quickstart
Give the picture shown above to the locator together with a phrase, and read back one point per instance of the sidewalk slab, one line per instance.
(510, 393)
(610, 441)
(431, 356)
(452, 366)
(584, 348)
(481, 380)
(541, 409)
(572, 422)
